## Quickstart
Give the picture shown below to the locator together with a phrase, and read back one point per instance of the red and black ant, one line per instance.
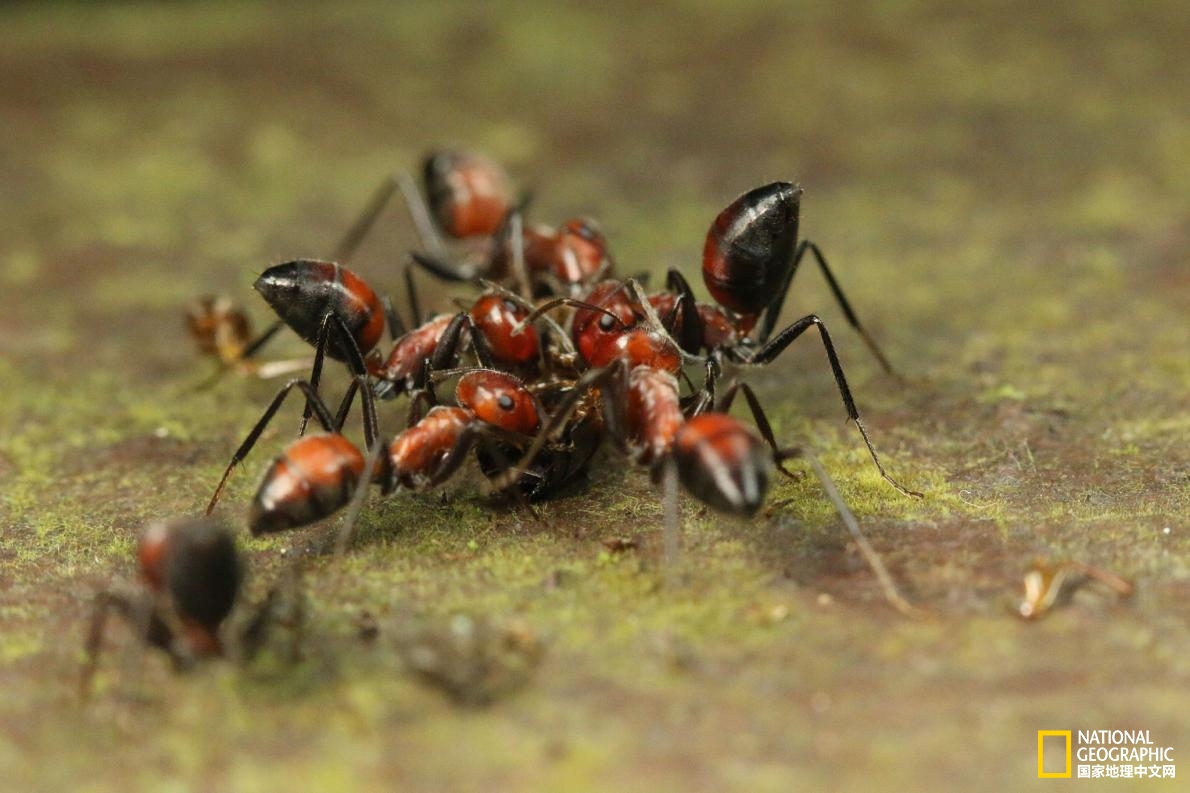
(469, 200)
(750, 257)
(487, 324)
(192, 575)
(317, 475)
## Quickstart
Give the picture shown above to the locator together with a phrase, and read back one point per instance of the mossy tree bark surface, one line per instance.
(1003, 194)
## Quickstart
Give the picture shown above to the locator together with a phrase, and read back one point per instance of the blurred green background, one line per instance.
(1003, 190)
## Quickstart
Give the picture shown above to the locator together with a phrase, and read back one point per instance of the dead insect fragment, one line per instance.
(1050, 585)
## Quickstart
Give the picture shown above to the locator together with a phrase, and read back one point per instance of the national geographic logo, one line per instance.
(1102, 754)
(1056, 737)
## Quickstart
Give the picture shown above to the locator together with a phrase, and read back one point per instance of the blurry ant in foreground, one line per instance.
(192, 575)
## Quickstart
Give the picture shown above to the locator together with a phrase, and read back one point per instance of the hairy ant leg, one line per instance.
(780, 455)
(782, 340)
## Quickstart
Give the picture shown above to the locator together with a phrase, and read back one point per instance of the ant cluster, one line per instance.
(554, 355)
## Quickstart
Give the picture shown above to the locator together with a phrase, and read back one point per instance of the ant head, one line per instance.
(500, 399)
(495, 316)
(589, 329)
(749, 247)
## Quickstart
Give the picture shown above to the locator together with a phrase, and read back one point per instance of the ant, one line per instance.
(192, 575)
(317, 475)
(469, 200)
(713, 455)
(487, 323)
(749, 259)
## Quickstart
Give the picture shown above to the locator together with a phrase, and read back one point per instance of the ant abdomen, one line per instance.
(194, 561)
(469, 195)
(750, 247)
(723, 462)
(314, 477)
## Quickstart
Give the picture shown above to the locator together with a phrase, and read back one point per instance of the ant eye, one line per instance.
(606, 322)
(505, 402)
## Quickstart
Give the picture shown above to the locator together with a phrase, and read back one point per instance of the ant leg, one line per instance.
(363, 224)
(702, 401)
(671, 510)
(774, 310)
(423, 394)
(691, 335)
(783, 339)
(371, 423)
(449, 344)
(355, 358)
(471, 435)
(345, 405)
(347, 530)
(780, 455)
(284, 604)
(396, 328)
(312, 400)
(411, 295)
(252, 347)
(891, 594)
(445, 269)
(516, 234)
(138, 612)
(419, 213)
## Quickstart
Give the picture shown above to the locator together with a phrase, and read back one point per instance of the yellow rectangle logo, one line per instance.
(1041, 736)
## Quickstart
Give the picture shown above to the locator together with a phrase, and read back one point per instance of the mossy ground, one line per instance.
(1003, 193)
